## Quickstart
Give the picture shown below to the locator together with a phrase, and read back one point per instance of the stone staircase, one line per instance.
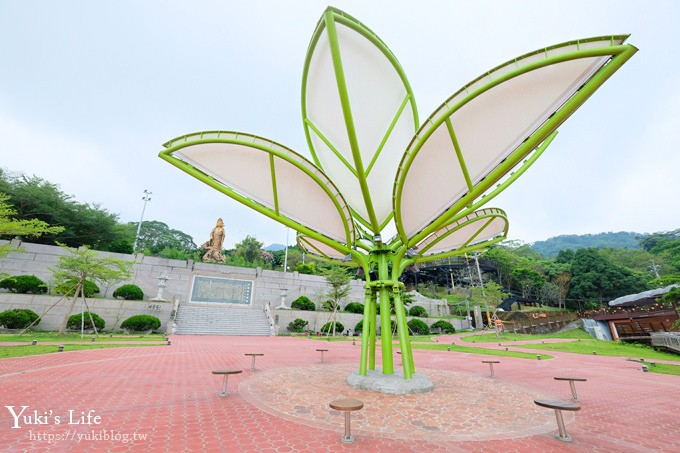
(203, 320)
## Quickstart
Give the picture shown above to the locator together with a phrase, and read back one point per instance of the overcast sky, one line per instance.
(89, 91)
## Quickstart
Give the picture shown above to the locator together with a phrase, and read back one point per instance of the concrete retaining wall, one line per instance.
(268, 287)
(53, 309)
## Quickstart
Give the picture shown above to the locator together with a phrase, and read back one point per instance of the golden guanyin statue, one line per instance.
(214, 245)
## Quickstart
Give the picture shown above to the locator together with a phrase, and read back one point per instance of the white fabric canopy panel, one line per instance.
(476, 228)
(379, 108)
(474, 131)
(314, 247)
(271, 175)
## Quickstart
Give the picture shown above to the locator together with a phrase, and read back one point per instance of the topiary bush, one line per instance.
(74, 321)
(68, 287)
(418, 311)
(18, 318)
(297, 325)
(129, 292)
(359, 327)
(141, 323)
(328, 328)
(418, 327)
(444, 326)
(303, 303)
(24, 284)
(355, 307)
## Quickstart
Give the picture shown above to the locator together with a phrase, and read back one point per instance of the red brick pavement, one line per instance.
(168, 396)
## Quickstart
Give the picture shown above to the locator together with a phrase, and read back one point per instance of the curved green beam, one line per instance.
(488, 215)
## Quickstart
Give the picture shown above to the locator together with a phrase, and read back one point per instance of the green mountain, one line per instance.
(621, 240)
(274, 247)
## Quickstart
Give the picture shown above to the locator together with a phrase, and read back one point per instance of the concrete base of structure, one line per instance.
(376, 381)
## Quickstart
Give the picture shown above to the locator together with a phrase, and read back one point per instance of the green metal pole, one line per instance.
(385, 325)
(371, 326)
(402, 331)
(365, 332)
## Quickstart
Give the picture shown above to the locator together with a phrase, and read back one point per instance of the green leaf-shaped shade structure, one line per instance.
(479, 229)
(484, 130)
(269, 178)
(359, 114)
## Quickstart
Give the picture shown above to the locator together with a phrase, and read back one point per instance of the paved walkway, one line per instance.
(164, 399)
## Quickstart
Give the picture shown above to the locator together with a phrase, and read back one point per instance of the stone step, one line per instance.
(202, 320)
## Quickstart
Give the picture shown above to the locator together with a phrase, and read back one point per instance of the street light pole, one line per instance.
(285, 255)
(146, 197)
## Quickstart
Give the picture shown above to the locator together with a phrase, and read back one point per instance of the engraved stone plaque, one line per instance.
(221, 290)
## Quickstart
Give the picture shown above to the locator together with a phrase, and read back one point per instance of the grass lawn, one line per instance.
(611, 348)
(426, 342)
(414, 338)
(20, 351)
(663, 368)
(506, 337)
(54, 337)
(481, 351)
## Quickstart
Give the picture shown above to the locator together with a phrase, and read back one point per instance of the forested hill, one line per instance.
(623, 239)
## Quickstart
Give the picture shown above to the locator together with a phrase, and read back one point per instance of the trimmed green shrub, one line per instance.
(141, 323)
(68, 287)
(129, 292)
(303, 303)
(418, 327)
(418, 311)
(445, 326)
(73, 322)
(24, 284)
(18, 318)
(354, 307)
(392, 310)
(360, 326)
(297, 325)
(328, 328)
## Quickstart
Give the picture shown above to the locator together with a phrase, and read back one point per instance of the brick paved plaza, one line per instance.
(165, 399)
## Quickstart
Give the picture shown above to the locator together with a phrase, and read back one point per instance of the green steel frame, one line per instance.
(363, 246)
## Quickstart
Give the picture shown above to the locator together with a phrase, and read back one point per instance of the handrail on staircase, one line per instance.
(268, 312)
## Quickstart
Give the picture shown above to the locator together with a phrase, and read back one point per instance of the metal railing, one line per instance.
(668, 340)
(270, 318)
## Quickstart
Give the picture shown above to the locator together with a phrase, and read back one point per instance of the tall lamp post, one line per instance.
(285, 255)
(146, 197)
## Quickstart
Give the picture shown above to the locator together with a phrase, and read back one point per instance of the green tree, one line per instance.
(157, 238)
(491, 294)
(85, 264)
(82, 224)
(249, 249)
(594, 277)
(338, 279)
(307, 268)
(672, 297)
(665, 246)
(563, 282)
(529, 280)
(505, 261)
(11, 227)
